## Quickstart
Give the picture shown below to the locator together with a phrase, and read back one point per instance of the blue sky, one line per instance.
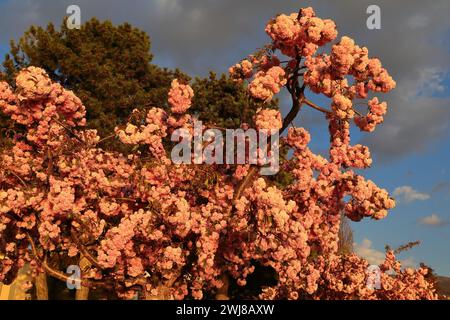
(410, 150)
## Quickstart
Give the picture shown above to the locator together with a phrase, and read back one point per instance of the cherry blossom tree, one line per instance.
(140, 224)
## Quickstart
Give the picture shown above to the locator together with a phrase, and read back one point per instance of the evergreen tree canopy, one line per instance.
(108, 67)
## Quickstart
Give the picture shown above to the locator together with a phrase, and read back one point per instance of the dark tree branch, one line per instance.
(84, 251)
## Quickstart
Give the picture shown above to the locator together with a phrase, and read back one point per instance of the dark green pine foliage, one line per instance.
(108, 67)
(224, 103)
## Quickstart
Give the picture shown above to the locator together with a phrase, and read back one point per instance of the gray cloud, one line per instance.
(199, 35)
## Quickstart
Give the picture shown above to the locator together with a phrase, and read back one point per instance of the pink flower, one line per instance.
(268, 119)
(267, 84)
(180, 96)
(342, 106)
(375, 116)
(298, 138)
(243, 70)
(284, 29)
(33, 84)
(135, 267)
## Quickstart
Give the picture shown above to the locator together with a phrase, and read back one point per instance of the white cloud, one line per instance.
(376, 257)
(431, 80)
(434, 220)
(408, 194)
(365, 250)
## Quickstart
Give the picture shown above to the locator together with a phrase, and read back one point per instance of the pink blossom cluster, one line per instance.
(298, 138)
(300, 33)
(180, 96)
(347, 58)
(243, 70)
(374, 117)
(266, 84)
(49, 233)
(342, 107)
(265, 75)
(347, 277)
(326, 74)
(265, 61)
(150, 134)
(276, 235)
(40, 105)
(341, 152)
(368, 200)
(33, 84)
(268, 119)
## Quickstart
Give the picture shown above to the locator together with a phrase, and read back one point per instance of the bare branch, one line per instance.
(84, 251)
(315, 106)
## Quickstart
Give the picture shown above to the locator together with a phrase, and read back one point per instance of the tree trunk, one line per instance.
(83, 292)
(163, 293)
(345, 241)
(41, 286)
(222, 293)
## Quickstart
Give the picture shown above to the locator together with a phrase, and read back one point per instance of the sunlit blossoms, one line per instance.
(374, 117)
(180, 96)
(300, 33)
(242, 70)
(267, 84)
(268, 119)
(160, 230)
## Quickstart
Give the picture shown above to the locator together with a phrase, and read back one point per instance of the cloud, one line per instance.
(431, 81)
(417, 21)
(434, 221)
(365, 250)
(199, 36)
(376, 257)
(408, 194)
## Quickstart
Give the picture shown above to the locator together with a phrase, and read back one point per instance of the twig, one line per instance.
(315, 106)
(68, 130)
(106, 138)
(358, 113)
(243, 185)
(20, 179)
